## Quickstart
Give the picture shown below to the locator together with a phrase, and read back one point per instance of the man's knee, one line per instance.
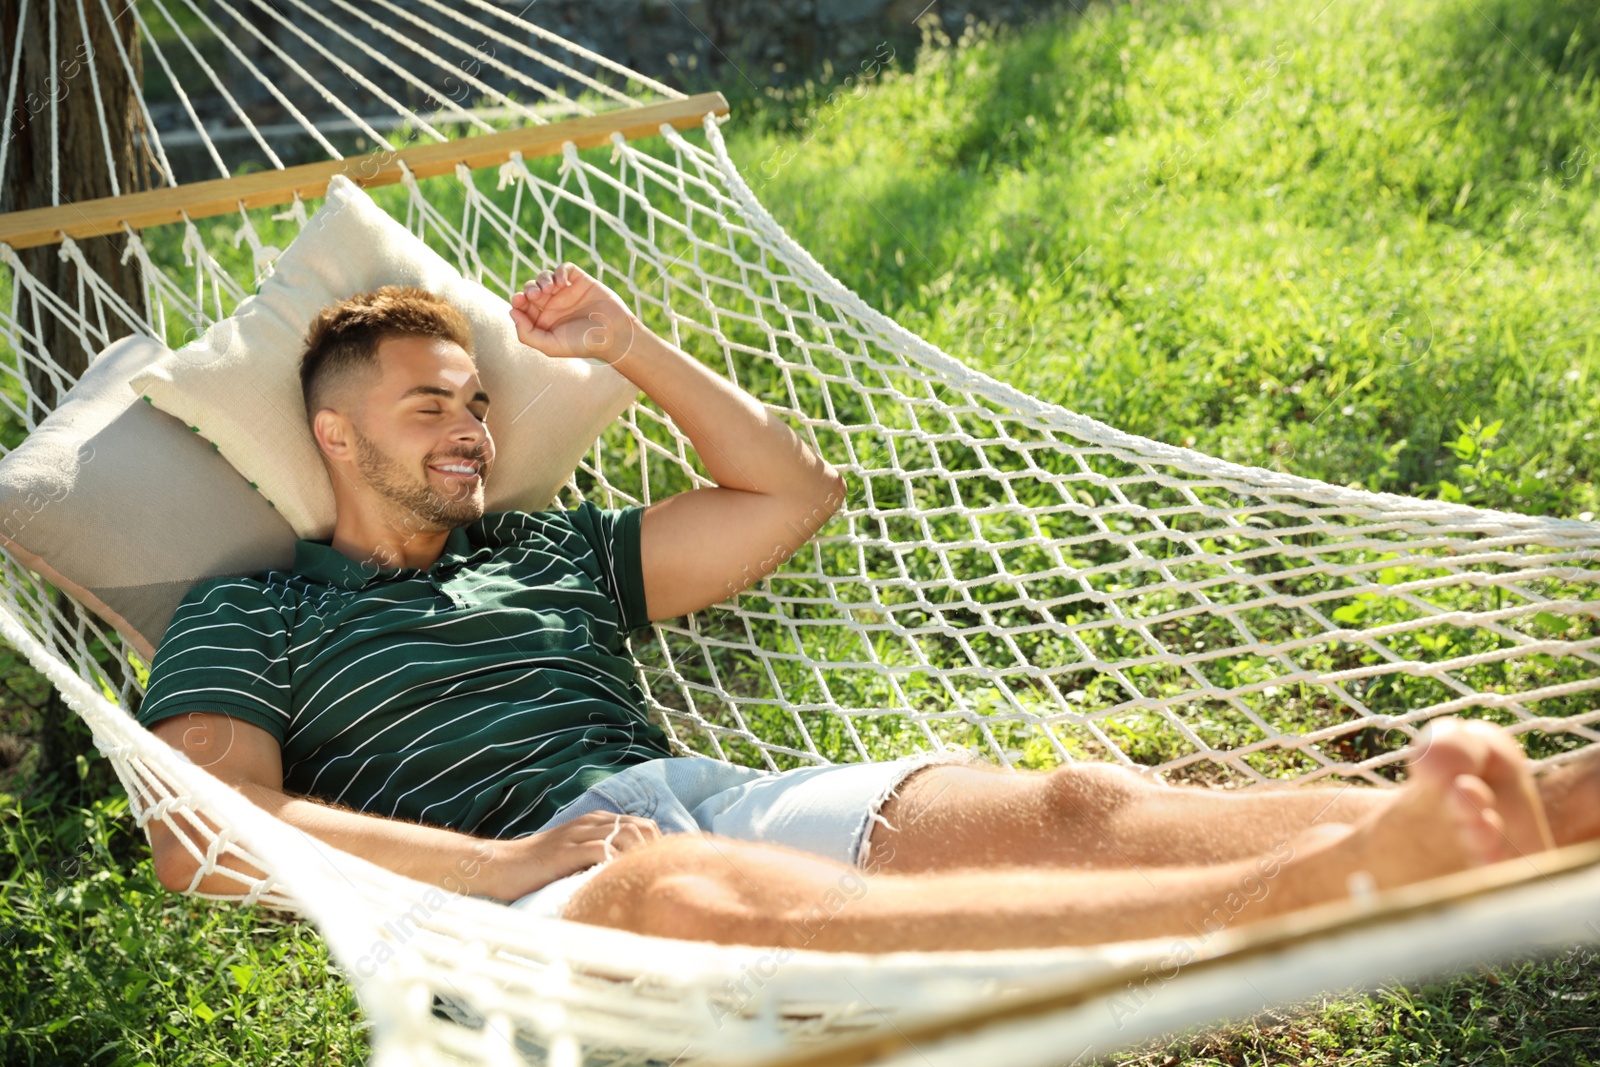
(680, 886)
(1092, 790)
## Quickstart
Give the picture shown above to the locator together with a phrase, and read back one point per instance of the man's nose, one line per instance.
(469, 428)
(469, 433)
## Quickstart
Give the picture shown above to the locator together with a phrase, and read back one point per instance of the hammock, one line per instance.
(1008, 576)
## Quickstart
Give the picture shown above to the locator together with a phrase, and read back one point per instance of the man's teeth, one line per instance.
(457, 468)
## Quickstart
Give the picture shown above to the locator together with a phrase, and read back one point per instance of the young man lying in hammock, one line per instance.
(449, 694)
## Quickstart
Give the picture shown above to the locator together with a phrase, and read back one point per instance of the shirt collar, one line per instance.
(319, 560)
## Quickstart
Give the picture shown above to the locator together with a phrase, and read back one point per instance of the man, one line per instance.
(449, 694)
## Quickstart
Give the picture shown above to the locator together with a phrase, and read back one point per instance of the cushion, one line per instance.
(240, 385)
(125, 508)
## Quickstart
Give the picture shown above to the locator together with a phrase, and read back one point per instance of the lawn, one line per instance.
(1353, 240)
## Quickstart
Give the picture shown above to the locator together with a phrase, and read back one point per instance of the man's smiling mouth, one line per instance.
(461, 468)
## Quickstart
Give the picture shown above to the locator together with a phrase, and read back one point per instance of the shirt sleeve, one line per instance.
(225, 651)
(614, 536)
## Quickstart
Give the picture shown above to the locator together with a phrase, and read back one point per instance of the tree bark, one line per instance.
(55, 91)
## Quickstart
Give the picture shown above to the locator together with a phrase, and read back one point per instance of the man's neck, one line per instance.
(383, 544)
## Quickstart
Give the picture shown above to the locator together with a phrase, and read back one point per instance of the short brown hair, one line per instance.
(344, 337)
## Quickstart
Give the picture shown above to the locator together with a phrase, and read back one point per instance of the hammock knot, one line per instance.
(295, 211)
(192, 243)
(135, 246)
(261, 256)
(507, 171)
(569, 158)
(565, 1051)
(256, 891)
(218, 844)
(996, 527)
(158, 810)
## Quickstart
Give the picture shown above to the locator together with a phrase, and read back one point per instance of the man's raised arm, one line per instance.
(248, 759)
(772, 493)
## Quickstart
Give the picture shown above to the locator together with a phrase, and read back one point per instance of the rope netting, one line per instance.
(233, 82)
(1005, 576)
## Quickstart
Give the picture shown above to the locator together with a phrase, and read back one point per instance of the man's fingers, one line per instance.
(610, 817)
(631, 831)
(632, 837)
(597, 825)
(546, 281)
(608, 834)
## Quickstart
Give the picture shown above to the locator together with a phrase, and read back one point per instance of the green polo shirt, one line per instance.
(480, 694)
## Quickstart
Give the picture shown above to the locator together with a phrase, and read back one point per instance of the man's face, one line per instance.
(420, 442)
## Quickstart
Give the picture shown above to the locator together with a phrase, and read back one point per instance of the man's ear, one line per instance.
(332, 431)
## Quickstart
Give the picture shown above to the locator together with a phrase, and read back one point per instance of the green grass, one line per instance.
(1354, 242)
(101, 965)
(1314, 247)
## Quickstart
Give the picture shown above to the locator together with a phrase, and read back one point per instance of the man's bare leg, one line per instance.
(1093, 816)
(1470, 800)
(1101, 816)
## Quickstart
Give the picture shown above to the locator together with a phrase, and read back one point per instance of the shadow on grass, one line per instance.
(1513, 70)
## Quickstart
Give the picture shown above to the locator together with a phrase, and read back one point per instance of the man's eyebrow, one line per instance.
(437, 390)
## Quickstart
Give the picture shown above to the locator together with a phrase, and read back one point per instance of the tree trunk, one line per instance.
(55, 91)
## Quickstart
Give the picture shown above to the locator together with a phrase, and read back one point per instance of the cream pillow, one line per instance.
(125, 508)
(240, 385)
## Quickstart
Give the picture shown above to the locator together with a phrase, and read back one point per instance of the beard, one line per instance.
(426, 508)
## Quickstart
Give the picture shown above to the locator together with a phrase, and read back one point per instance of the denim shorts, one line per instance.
(827, 810)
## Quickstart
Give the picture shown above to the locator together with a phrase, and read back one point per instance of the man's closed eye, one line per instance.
(480, 416)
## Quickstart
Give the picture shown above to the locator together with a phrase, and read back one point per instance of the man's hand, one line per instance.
(536, 860)
(566, 313)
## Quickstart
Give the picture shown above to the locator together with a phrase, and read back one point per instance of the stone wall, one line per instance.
(684, 43)
(402, 59)
(690, 43)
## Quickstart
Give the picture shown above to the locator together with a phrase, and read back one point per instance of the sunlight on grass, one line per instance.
(1354, 242)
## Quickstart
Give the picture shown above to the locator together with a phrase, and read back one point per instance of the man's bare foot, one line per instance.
(1451, 748)
(1470, 800)
(1571, 797)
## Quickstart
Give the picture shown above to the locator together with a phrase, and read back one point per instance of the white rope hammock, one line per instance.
(1007, 576)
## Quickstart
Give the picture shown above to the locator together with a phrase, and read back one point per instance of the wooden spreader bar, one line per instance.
(91, 218)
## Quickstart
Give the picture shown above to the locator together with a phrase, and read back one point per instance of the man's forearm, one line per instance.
(454, 861)
(742, 443)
